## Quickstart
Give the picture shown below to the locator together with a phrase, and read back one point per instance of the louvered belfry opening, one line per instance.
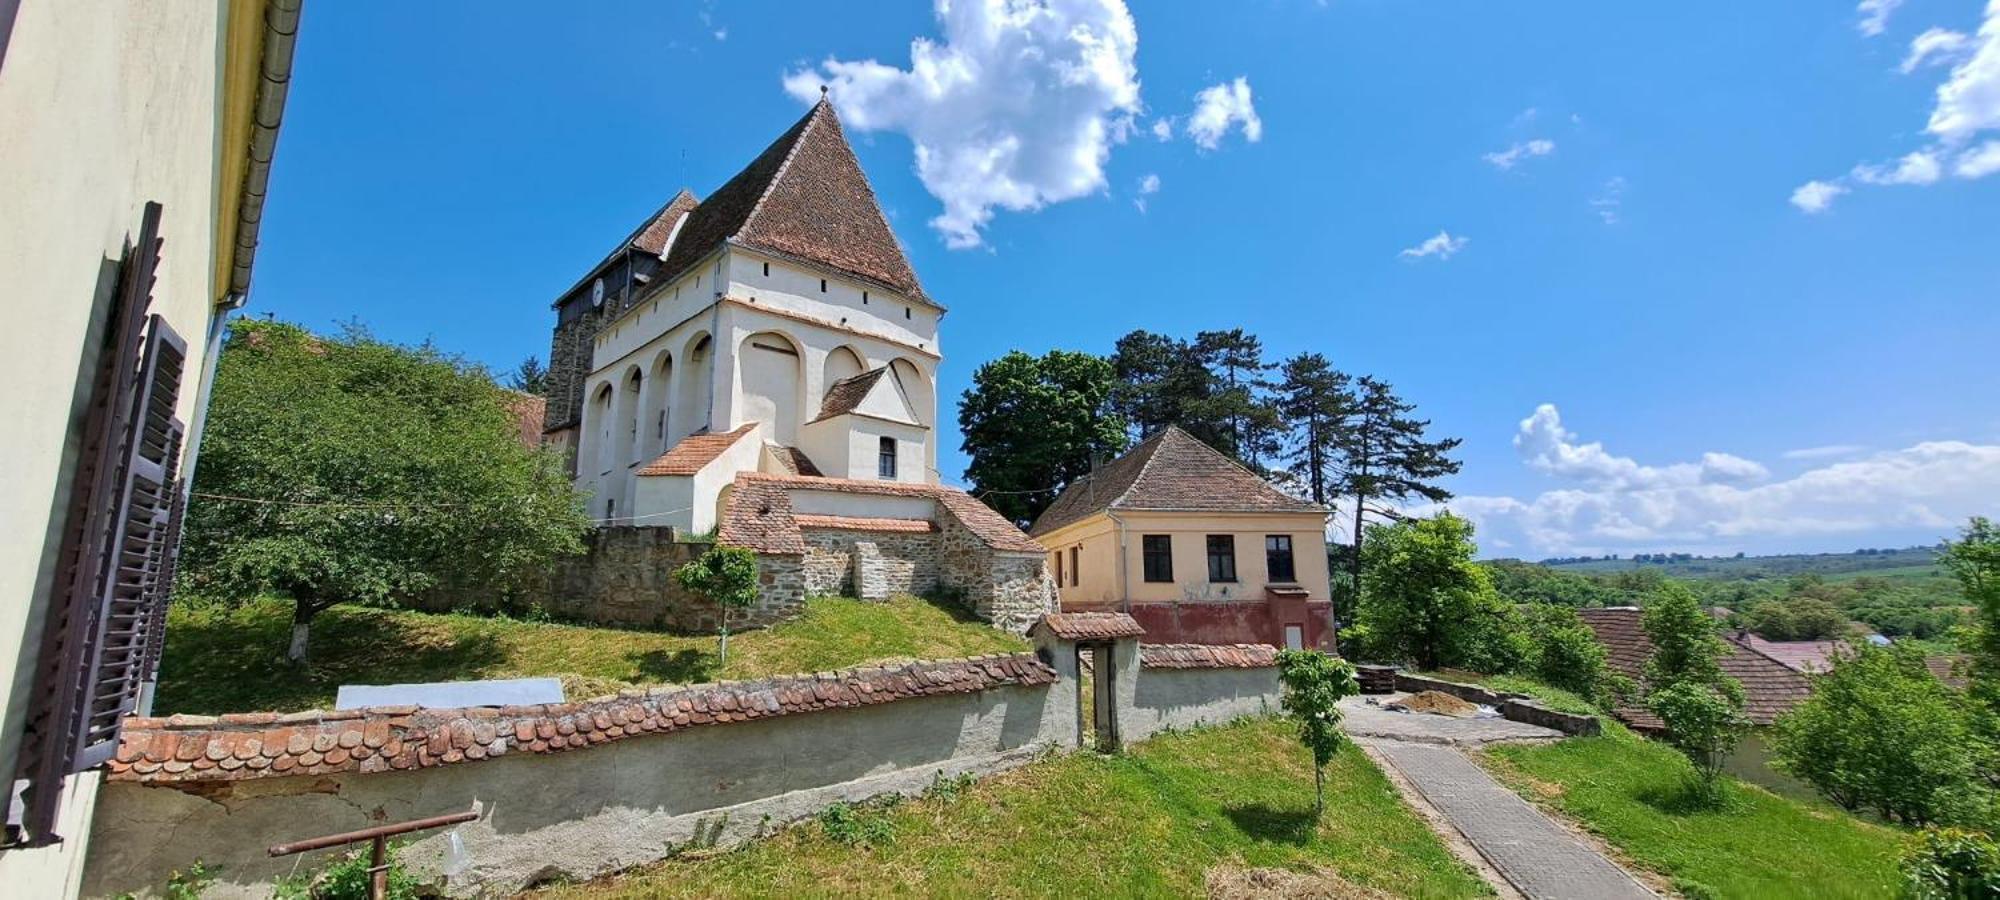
(106, 618)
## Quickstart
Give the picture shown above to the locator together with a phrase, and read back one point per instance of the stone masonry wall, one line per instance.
(869, 565)
(626, 577)
(1010, 589)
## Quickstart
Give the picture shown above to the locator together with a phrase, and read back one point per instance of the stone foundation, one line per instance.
(869, 565)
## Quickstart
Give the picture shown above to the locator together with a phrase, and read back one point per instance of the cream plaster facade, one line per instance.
(105, 105)
(751, 338)
(1098, 577)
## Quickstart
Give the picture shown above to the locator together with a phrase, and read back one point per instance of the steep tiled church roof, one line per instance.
(805, 196)
(1170, 470)
(652, 236)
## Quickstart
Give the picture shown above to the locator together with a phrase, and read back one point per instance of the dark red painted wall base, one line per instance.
(1260, 621)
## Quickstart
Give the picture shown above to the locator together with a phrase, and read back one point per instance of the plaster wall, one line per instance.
(1098, 541)
(104, 106)
(1179, 699)
(876, 506)
(581, 813)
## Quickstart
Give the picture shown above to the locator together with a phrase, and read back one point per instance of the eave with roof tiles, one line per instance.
(237, 747)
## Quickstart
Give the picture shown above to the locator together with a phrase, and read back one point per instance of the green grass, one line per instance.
(1149, 823)
(1634, 794)
(221, 659)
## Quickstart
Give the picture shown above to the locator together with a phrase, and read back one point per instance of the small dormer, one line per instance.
(867, 429)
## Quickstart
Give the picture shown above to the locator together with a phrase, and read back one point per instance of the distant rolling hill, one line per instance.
(1906, 563)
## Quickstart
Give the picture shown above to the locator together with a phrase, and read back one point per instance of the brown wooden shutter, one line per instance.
(136, 557)
(113, 533)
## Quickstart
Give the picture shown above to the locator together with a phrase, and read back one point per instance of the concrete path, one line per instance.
(1366, 717)
(1534, 854)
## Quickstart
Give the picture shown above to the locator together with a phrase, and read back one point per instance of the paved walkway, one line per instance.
(1366, 717)
(1539, 857)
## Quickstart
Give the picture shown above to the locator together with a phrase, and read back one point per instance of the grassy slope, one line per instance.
(231, 660)
(1150, 823)
(1632, 792)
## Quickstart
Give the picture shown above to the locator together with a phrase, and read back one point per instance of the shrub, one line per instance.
(1423, 599)
(857, 825)
(1880, 732)
(1702, 722)
(346, 878)
(1951, 864)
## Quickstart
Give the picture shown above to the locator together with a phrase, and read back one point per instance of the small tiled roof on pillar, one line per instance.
(1089, 626)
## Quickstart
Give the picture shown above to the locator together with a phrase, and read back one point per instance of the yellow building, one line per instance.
(135, 145)
(1195, 547)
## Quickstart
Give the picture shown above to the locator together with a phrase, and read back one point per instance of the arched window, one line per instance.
(600, 414)
(653, 423)
(692, 393)
(627, 416)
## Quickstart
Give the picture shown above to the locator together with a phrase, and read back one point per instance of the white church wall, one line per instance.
(795, 288)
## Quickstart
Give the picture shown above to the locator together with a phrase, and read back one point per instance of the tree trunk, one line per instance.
(1319, 791)
(724, 656)
(302, 616)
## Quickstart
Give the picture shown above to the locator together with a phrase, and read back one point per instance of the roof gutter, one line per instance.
(1124, 580)
(281, 31)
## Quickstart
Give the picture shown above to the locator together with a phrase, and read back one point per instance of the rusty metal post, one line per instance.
(378, 868)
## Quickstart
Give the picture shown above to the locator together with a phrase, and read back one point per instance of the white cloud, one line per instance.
(1967, 109)
(1016, 107)
(1920, 167)
(1506, 159)
(1969, 101)
(1547, 446)
(1609, 199)
(1148, 186)
(1163, 129)
(1979, 161)
(1875, 15)
(1816, 196)
(1935, 47)
(1218, 107)
(1826, 452)
(1442, 246)
(1611, 503)
(722, 34)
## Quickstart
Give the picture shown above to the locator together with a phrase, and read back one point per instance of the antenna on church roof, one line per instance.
(822, 92)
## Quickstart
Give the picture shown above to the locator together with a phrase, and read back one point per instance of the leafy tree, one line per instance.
(1314, 684)
(1567, 653)
(1974, 559)
(1805, 619)
(1701, 708)
(1424, 599)
(1382, 454)
(1316, 400)
(1031, 425)
(346, 469)
(530, 377)
(1951, 864)
(1703, 721)
(727, 577)
(1880, 732)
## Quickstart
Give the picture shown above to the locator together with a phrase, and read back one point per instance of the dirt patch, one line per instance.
(1436, 702)
(1239, 883)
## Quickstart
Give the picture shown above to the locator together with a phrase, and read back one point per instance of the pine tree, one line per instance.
(1240, 398)
(1315, 401)
(1163, 381)
(530, 377)
(1382, 454)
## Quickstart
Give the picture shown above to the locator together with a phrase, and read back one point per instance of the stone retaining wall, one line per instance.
(869, 565)
(1516, 707)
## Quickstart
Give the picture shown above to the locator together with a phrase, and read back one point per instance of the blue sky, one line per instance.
(1651, 331)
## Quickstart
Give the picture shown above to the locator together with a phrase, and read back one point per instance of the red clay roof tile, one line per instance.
(174, 750)
(1089, 626)
(1769, 689)
(1207, 656)
(695, 451)
(1169, 471)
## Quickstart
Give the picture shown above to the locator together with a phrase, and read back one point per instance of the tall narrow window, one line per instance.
(1074, 575)
(1159, 554)
(1278, 557)
(1059, 568)
(1222, 557)
(885, 460)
